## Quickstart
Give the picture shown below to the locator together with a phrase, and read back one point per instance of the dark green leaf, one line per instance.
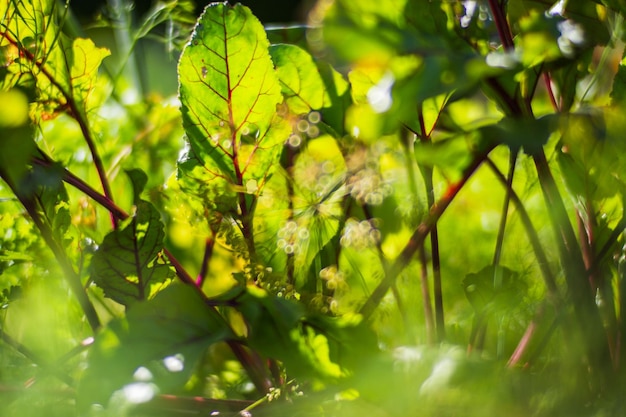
(280, 329)
(128, 265)
(528, 134)
(493, 287)
(618, 92)
(293, 35)
(175, 324)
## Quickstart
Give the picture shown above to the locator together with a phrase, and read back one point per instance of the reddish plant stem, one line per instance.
(254, 368)
(504, 30)
(548, 81)
(78, 115)
(418, 237)
(583, 299)
(209, 243)
(438, 321)
(33, 207)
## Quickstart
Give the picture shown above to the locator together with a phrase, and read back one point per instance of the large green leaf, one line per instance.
(229, 92)
(128, 264)
(164, 336)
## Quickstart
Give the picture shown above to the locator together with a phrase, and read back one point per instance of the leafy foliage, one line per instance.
(402, 207)
(129, 264)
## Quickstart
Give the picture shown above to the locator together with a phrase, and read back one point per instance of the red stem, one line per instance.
(418, 237)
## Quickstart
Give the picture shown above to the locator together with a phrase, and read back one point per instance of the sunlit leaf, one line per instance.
(591, 155)
(363, 30)
(64, 69)
(300, 80)
(317, 203)
(176, 323)
(229, 92)
(527, 134)
(292, 34)
(16, 136)
(128, 264)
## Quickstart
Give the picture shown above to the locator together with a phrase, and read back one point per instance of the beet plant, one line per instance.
(401, 207)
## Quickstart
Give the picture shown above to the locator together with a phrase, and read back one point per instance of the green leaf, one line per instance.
(493, 288)
(280, 329)
(318, 200)
(65, 70)
(16, 136)
(338, 90)
(591, 153)
(300, 80)
(175, 324)
(128, 265)
(365, 30)
(292, 34)
(517, 133)
(229, 92)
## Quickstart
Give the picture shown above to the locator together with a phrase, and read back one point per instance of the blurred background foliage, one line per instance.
(400, 99)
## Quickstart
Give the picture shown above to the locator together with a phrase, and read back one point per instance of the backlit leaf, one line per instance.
(64, 69)
(300, 80)
(229, 92)
(16, 136)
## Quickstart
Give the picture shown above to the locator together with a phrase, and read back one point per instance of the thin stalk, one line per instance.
(543, 342)
(497, 275)
(253, 367)
(524, 342)
(583, 299)
(76, 113)
(427, 174)
(504, 30)
(126, 45)
(209, 243)
(35, 359)
(504, 216)
(66, 266)
(34, 209)
(175, 405)
(408, 145)
(428, 310)
(394, 287)
(531, 232)
(548, 82)
(418, 237)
